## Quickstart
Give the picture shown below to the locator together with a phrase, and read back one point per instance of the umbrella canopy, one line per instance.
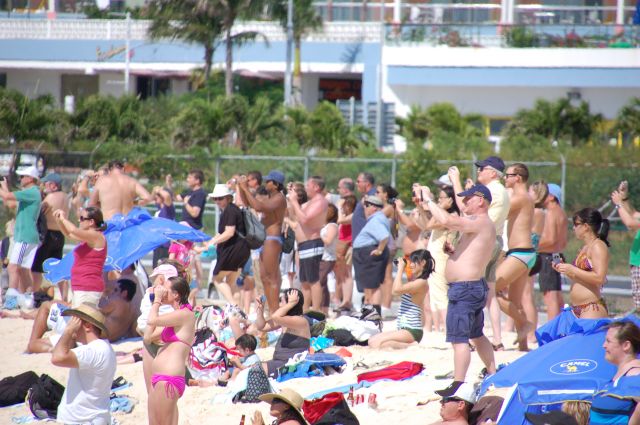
(129, 238)
(566, 323)
(571, 368)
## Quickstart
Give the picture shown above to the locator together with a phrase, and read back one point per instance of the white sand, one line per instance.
(396, 400)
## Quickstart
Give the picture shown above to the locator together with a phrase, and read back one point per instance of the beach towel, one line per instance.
(331, 409)
(13, 389)
(312, 365)
(361, 329)
(396, 372)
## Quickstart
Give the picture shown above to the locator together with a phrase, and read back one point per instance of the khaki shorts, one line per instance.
(85, 297)
(490, 272)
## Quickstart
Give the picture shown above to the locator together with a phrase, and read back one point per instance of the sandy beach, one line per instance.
(397, 401)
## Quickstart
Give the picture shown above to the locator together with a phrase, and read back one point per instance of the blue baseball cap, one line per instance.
(494, 162)
(477, 190)
(555, 190)
(53, 177)
(274, 175)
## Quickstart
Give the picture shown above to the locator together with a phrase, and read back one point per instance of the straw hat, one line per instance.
(90, 314)
(288, 396)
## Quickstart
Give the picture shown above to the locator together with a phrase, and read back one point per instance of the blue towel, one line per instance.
(121, 404)
(343, 389)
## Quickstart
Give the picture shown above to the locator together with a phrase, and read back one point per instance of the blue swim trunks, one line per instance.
(465, 316)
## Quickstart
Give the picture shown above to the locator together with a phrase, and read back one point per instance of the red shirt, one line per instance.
(344, 233)
(86, 272)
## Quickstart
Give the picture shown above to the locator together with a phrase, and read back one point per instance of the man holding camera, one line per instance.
(465, 273)
(25, 238)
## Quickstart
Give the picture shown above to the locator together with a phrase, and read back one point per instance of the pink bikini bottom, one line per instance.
(174, 386)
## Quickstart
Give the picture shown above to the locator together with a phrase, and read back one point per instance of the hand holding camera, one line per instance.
(401, 263)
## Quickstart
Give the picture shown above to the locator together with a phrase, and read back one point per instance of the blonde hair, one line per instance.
(578, 409)
(541, 191)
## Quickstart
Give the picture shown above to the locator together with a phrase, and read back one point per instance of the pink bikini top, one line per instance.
(168, 334)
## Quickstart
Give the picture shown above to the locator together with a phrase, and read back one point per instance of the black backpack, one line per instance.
(41, 225)
(13, 389)
(254, 232)
(44, 397)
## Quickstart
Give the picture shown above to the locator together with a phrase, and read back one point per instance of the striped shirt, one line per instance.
(409, 315)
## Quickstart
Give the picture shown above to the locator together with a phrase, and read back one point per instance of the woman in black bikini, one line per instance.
(589, 270)
(295, 328)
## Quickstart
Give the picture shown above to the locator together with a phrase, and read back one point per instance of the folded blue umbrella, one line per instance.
(625, 387)
(129, 238)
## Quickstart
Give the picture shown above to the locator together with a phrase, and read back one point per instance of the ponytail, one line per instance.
(603, 232)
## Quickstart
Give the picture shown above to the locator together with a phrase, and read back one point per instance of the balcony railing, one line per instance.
(106, 29)
(520, 36)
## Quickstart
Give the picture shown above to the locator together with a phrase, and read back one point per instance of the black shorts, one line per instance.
(548, 278)
(369, 269)
(310, 255)
(51, 247)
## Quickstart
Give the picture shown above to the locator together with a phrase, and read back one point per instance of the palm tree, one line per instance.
(628, 119)
(229, 11)
(188, 20)
(305, 20)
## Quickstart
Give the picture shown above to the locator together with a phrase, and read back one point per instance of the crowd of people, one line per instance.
(453, 250)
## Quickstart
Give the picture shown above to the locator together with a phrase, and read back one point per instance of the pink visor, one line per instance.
(167, 270)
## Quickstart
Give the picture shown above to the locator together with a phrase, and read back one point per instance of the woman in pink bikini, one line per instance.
(168, 367)
(589, 270)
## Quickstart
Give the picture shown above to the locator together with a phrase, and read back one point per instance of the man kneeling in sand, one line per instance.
(456, 408)
(92, 367)
(118, 311)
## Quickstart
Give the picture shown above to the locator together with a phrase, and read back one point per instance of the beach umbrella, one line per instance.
(129, 238)
(566, 323)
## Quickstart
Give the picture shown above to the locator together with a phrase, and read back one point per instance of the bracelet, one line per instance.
(625, 199)
(617, 206)
(157, 302)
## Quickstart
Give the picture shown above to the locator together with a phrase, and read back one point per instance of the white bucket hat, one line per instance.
(220, 191)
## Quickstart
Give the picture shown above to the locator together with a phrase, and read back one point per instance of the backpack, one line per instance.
(254, 232)
(257, 385)
(44, 397)
(13, 389)
(289, 238)
(41, 225)
(396, 372)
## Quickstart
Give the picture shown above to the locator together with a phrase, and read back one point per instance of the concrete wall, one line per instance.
(503, 102)
(34, 83)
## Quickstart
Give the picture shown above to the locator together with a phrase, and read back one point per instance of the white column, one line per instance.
(620, 12)
(504, 8)
(397, 11)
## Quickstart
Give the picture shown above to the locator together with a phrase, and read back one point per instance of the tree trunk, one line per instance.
(296, 83)
(228, 75)
(208, 61)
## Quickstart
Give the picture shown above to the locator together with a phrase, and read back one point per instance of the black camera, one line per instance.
(397, 261)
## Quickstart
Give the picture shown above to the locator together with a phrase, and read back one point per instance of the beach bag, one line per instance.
(208, 358)
(257, 385)
(396, 372)
(13, 389)
(331, 409)
(254, 232)
(44, 396)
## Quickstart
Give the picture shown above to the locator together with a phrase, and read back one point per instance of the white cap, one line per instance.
(444, 180)
(466, 392)
(30, 171)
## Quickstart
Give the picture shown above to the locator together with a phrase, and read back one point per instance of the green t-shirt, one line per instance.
(634, 254)
(27, 216)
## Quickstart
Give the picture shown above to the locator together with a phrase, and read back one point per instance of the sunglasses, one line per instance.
(577, 223)
(218, 199)
(446, 400)
(507, 175)
(81, 218)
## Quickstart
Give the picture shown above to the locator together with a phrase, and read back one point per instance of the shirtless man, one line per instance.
(553, 240)
(310, 218)
(115, 192)
(53, 243)
(465, 273)
(120, 318)
(273, 210)
(521, 257)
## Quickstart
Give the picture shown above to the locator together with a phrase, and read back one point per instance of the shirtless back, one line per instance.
(115, 192)
(54, 201)
(120, 313)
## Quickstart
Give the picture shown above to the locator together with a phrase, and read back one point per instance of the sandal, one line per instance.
(498, 347)
(118, 382)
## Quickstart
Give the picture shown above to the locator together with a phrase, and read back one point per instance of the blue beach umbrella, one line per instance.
(129, 238)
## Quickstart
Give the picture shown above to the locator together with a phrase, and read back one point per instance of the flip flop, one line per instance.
(118, 382)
